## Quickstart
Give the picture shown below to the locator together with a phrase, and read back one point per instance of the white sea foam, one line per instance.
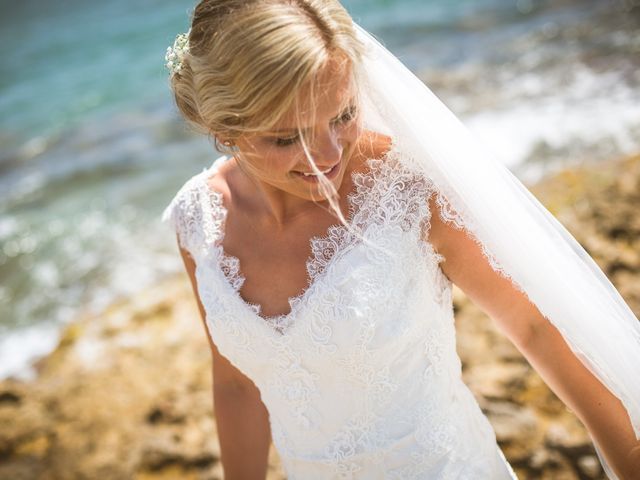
(19, 349)
(588, 120)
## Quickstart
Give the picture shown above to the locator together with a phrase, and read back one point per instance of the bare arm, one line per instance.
(242, 419)
(542, 345)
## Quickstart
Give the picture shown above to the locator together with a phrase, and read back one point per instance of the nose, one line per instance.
(327, 149)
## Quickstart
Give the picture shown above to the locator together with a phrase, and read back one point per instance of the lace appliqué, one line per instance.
(186, 216)
(388, 213)
(294, 383)
(230, 267)
(376, 317)
(384, 194)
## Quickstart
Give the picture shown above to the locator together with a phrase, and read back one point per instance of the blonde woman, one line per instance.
(322, 249)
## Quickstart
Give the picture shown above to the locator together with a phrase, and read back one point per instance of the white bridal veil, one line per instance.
(519, 236)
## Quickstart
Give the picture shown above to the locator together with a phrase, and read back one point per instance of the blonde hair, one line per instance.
(248, 61)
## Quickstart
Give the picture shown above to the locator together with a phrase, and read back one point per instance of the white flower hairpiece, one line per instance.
(175, 55)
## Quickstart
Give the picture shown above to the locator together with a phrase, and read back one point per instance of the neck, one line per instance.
(268, 205)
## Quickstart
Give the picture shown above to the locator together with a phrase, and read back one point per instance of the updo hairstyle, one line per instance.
(248, 60)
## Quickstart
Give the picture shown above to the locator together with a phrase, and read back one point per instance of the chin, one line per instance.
(316, 194)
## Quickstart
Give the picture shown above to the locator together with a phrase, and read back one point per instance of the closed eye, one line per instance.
(283, 142)
(345, 117)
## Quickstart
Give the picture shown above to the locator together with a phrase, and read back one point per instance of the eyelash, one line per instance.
(344, 118)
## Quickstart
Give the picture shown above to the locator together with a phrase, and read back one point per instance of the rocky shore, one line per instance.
(127, 394)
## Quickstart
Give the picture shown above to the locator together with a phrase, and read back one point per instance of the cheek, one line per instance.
(280, 161)
(353, 130)
(269, 160)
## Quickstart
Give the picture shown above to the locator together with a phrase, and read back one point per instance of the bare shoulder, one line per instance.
(217, 179)
(374, 144)
(371, 145)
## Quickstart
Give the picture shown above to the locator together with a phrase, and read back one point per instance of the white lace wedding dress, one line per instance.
(361, 379)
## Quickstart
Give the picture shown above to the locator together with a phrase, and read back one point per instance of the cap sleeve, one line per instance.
(184, 215)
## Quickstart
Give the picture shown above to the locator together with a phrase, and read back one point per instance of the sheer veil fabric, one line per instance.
(521, 239)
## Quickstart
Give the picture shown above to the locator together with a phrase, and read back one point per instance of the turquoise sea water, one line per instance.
(91, 149)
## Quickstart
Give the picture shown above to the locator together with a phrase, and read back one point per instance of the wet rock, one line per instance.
(589, 466)
(510, 421)
(10, 398)
(497, 381)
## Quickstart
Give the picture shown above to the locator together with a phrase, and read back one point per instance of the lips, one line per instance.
(314, 178)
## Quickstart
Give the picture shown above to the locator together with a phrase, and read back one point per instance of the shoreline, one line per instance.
(127, 393)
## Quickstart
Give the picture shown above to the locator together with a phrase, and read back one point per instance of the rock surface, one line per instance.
(127, 394)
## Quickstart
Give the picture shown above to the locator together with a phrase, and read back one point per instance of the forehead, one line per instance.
(328, 94)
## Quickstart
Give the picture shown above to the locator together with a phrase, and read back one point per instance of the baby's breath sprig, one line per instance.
(175, 55)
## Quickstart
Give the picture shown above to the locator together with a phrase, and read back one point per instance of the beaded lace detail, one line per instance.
(364, 201)
(361, 378)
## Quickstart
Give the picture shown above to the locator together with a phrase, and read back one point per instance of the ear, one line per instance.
(223, 144)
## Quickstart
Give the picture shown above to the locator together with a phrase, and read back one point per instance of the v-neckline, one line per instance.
(336, 234)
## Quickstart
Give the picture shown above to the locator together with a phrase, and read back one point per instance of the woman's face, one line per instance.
(330, 131)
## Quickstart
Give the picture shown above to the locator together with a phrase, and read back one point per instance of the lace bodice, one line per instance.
(361, 378)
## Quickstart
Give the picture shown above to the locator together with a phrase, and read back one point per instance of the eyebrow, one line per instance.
(350, 105)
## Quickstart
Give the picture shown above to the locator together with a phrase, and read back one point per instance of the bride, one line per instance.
(323, 245)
